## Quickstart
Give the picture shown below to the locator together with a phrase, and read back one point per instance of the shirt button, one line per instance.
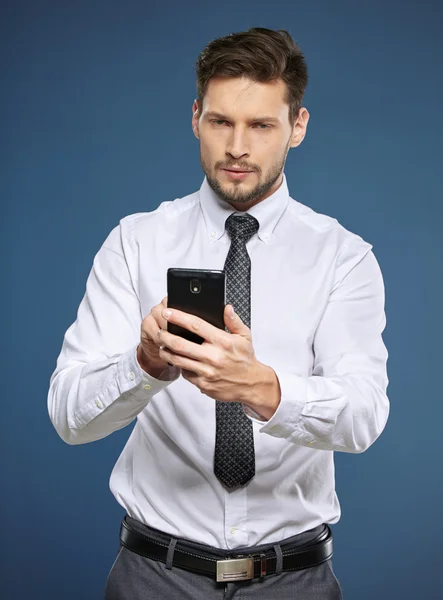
(233, 530)
(131, 376)
(147, 386)
(213, 234)
(99, 404)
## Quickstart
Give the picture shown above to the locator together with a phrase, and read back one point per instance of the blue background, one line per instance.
(96, 121)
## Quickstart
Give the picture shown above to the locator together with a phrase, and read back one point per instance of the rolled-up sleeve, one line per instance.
(98, 385)
(343, 405)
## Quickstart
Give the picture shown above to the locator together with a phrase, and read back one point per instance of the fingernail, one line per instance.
(167, 314)
(232, 311)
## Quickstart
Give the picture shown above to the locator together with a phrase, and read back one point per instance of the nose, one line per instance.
(238, 145)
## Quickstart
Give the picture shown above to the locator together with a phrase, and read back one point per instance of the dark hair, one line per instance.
(260, 54)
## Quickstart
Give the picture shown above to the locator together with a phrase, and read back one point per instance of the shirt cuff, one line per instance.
(283, 422)
(133, 379)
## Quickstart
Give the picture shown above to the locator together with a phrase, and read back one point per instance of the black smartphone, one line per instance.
(200, 292)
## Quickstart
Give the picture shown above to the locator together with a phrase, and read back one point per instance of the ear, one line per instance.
(299, 129)
(195, 117)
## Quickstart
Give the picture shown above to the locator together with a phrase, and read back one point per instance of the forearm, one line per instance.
(346, 413)
(98, 385)
(89, 401)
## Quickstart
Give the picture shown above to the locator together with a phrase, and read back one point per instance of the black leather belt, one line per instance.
(237, 567)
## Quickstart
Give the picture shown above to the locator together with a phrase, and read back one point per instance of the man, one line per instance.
(228, 475)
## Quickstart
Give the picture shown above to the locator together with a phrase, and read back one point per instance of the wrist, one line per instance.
(264, 393)
(151, 368)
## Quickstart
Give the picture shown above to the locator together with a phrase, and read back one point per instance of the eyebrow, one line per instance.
(254, 120)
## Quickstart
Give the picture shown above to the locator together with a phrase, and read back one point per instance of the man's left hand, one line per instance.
(224, 366)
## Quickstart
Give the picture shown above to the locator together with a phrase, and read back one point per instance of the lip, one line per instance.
(236, 173)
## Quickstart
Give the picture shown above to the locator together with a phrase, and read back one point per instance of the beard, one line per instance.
(236, 195)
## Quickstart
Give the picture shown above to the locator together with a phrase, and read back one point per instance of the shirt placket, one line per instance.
(236, 533)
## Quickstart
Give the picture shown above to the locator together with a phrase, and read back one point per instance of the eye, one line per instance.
(262, 126)
(218, 121)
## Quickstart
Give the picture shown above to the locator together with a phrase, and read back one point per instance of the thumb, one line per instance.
(234, 323)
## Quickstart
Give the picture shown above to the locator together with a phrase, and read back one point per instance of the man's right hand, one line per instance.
(147, 351)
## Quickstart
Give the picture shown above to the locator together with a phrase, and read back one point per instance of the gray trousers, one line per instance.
(135, 577)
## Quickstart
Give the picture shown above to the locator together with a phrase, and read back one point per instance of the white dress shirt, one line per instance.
(317, 317)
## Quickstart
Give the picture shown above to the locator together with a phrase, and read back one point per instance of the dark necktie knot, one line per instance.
(241, 227)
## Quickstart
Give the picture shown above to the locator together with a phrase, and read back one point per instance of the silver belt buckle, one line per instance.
(235, 569)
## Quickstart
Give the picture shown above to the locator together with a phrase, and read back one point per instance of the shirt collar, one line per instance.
(267, 212)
